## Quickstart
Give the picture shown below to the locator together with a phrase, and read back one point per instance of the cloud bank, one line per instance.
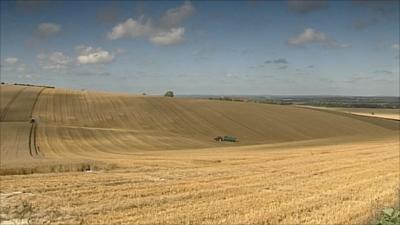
(84, 55)
(166, 31)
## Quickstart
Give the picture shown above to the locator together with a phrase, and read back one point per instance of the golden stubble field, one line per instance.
(393, 114)
(152, 162)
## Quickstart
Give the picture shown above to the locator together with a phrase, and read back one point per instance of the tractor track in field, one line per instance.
(5, 110)
(36, 100)
(30, 141)
(33, 147)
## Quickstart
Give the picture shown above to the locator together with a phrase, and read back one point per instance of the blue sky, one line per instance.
(204, 47)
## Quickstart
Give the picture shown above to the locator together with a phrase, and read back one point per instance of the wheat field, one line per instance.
(102, 158)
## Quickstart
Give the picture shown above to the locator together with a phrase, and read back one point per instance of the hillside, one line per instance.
(81, 124)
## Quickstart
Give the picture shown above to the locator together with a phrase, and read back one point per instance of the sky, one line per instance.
(204, 47)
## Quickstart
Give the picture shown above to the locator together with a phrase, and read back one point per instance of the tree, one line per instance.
(169, 94)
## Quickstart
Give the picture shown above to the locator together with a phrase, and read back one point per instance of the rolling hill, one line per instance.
(81, 124)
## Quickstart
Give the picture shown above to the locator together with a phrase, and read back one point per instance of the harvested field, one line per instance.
(334, 184)
(370, 112)
(382, 113)
(153, 160)
(119, 123)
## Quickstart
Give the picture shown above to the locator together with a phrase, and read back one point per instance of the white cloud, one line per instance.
(13, 64)
(90, 55)
(174, 17)
(165, 32)
(173, 36)
(138, 28)
(54, 61)
(46, 30)
(84, 55)
(11, 61)
(131, 28)
(309, 36)
(396, 47)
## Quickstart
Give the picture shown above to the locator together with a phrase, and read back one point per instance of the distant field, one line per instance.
(153, 160)
(383, 113)
(372, 112)
(378, 102)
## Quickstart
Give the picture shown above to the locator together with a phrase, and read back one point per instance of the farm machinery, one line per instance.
(226, 138)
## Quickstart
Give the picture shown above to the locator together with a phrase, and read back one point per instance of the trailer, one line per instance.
(230, 138)
(226, 138)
